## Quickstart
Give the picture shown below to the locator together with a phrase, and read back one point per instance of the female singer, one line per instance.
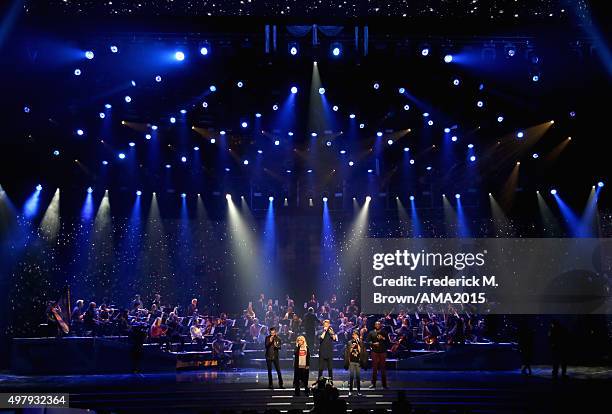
(301, 365)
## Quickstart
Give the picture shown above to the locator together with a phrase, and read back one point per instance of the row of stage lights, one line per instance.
(228, 196)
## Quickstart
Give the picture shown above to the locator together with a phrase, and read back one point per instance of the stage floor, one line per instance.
(437, 391)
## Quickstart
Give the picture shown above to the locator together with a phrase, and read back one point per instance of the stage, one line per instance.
(243, 389)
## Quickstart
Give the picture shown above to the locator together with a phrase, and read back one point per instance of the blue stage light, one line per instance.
(121, 156)
(80, 132)
(425, 114)
(480, 104)
(406, 149)
(240, 84)
(328, 143)
(183, 159)
(128, 98)
(535, 155)
(245, 162)
(335, 108)
(352, 116)
(26, 109)
(227, 169)
(411, 162)
(260, 151)
(132, 144)
(454, 138)
(520, 134)
(456, 81)
(553, 191)
(290, 133)
(102, 115)
(77, 72)
(277, 143)
(600, 184)
(321, 91)
(294, 89)
(389, 142)
(114, 49)
(457, 196)
(361, 126)
(351, 163)
(309, 171)
(39, 187)
(154, 127)
(511, 52)
(270, 199)
(104, 162)
(376, 85)
(379, 134)
(293, 50)
(288, 171)
(108, 106)
(147, 136)
(342, 152)
(89, 54)
(535, 78)
(183, 195)
(212, 88)
(138, 193)
(428, 168)
(500, 119)
(473, 158)
(313, 134)
(275, 107)
(411, 198)
(204, 104)
(180, 56)
(325, 199)
(572, 114)
(212, 140)
(430, 122)
(244, 124)
(172, 120)
(470, 146)
(406, 107)
(370, 171)
(89, 190)
(158, 78)
(425, 51)
(401, 90)
(56, 153)
(133, 83)
(222, 132)
(204, 51)
(446, 130)
(448, 58)
(168, 166)
(183, 111)
(336, 51)
(257, 115)
(196, 148)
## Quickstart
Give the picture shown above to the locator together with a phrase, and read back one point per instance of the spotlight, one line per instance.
(128, 99)
(336, 49)
(288, 171)
(244, 124)
(470, 146)
(430, 122)
(138, 193)
(131, 144)
(454, 138)
(308, 171)
(411, 162)
(480, 104)
(245, 162)
(89, 190)
(147, 136)
(168, 166)
(114, 49)
(257, 115)
(121, 156)
(379, 134)
(294, 89)
(428, 168)
(425, 114)
(104, 162)
(240, 84)
(572, 114)
(390, 142)
(108, 106)
(342, 152)
(133, 83)
(221, 132)
(376, 85)
(446, 130)
(180, 56)
(553, 191)
(425, 51)
(275, 107)
(228, 197)
(473, 158)
(154, 127)
(290, 133)
(196, 148)
(361, 126)
(368, 198)
(520, 134)
(456, 81)
(328, 143)
(351, 163)
(401, 90)
(89, 55)
(352, 116)
(406, 149)
(600, 184)
(270, 199)
(183, 195)
(370, 171)
(56, 153)
(80, 132)
(500, 119)
(535, 78)
(335, 108)
(321, 91)
(313, 134)
(212, 88)
(457, 196)
(183, 111)
(325, 199)
(406, 107)
(204, 104)
(77, 72)
(535, 155)
(448, 58)
(172, 120)
(102, 115)
(183, 159)
(411, 198)
(204, 50)
(293, 49)
(227, 169)
(277, 143)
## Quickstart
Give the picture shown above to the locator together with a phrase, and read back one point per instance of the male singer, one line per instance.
(326, 349)
(379, 341)
(273, 345)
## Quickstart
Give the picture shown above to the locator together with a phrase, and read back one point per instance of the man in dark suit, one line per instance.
(326, 349)
(273, 345)
(310, 323)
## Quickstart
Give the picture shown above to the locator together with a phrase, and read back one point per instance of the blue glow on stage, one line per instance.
(32, 204)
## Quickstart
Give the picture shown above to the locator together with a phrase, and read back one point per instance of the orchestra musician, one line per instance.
(195, 330)
(91, 319)
(378, 340)
(273, 346)
(76, 317)
(326, 349)
(192, 308)
(158, 332)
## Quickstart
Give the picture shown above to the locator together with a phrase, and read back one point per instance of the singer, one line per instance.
(273, 346)
(326, 349)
